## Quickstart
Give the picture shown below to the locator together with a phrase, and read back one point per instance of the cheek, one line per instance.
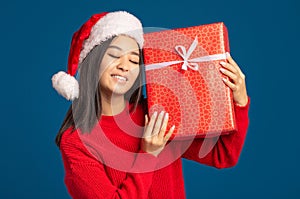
(102, 75)
(106, 62)
(135, 73)
(102, 80)
(104, 68)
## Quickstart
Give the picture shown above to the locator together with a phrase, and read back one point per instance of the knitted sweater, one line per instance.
(108, 162)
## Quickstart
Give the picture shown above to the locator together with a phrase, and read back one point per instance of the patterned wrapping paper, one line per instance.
(183, 79)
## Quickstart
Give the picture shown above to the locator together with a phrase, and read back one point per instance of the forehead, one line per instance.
(127, 44)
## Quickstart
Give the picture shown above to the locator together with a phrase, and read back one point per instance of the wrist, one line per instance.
(242, 103)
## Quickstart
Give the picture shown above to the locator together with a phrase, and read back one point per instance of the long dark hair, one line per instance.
(85, 111)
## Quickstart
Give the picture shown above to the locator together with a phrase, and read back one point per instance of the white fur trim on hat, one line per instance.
(66, 85)
(113, 24)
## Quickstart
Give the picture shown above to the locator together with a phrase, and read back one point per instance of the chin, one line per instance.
(120, 90)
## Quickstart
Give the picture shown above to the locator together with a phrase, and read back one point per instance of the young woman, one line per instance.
(110, 147)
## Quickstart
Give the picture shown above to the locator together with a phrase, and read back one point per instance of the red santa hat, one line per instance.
(96, 30)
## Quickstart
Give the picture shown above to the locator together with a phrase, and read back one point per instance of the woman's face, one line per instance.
(120, 66)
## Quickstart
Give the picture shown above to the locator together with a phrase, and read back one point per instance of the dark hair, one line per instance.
(86, 110)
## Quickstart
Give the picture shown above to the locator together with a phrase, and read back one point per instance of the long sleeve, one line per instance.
(224, 151)
(86, 177)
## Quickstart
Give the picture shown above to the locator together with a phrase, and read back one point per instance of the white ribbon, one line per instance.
(187, 63)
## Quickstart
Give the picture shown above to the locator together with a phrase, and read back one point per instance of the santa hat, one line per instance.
(96, 30)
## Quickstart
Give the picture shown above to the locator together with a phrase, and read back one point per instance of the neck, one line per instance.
(112, 105)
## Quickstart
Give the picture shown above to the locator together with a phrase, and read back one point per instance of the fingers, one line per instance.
(158, 124)
(234, 64)
(154, 139)
(237, 80)
(146, 120)
(232, 70)
(229, 67)
(149, 125)
(162, 131)
(160, 127)
(169, 134)
(231, 85)
(230, 59)
(230, 74)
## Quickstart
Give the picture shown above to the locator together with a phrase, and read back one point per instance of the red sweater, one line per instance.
(95, 169)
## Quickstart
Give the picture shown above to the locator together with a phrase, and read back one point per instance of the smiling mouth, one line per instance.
(120, 78)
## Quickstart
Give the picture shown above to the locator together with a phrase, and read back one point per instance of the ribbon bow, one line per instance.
(186, 55)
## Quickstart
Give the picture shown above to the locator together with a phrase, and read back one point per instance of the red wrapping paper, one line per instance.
(183, 79)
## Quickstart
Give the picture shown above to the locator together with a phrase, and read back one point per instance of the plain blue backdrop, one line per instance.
(264, 39)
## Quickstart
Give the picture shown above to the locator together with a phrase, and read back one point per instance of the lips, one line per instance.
(120, 77)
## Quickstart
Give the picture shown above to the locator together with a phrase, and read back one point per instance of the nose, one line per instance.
(124, 63)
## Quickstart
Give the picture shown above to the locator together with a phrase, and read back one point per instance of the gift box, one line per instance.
(183, 78)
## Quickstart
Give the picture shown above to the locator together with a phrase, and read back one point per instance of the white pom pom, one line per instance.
(66, 85)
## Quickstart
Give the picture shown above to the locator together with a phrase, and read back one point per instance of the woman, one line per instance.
(110, 147)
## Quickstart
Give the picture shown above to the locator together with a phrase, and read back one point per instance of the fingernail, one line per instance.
(227, 54)
(223, 63)
(173, 127)
(167, 115)
(222, 70)
(225, 80)
(154, 114)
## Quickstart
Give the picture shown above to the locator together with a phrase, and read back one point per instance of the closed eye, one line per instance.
(117, 57)
(114, 56)
(134, 62)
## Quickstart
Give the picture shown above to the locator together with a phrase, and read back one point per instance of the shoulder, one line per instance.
(69, 136)
(70, 141)
(73, 147)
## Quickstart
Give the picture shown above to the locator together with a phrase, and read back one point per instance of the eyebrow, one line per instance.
(118, 48)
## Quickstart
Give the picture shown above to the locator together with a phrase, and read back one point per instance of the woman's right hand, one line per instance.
(155, 137)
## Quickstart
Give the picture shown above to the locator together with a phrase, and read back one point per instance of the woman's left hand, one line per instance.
(237, 81)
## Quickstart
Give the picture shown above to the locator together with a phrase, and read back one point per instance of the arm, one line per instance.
(226, 150)
(86, 177)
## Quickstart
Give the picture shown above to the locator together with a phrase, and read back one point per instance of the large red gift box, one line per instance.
(183, 78)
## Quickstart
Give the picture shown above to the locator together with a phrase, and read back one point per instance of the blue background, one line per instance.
(264, 38)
